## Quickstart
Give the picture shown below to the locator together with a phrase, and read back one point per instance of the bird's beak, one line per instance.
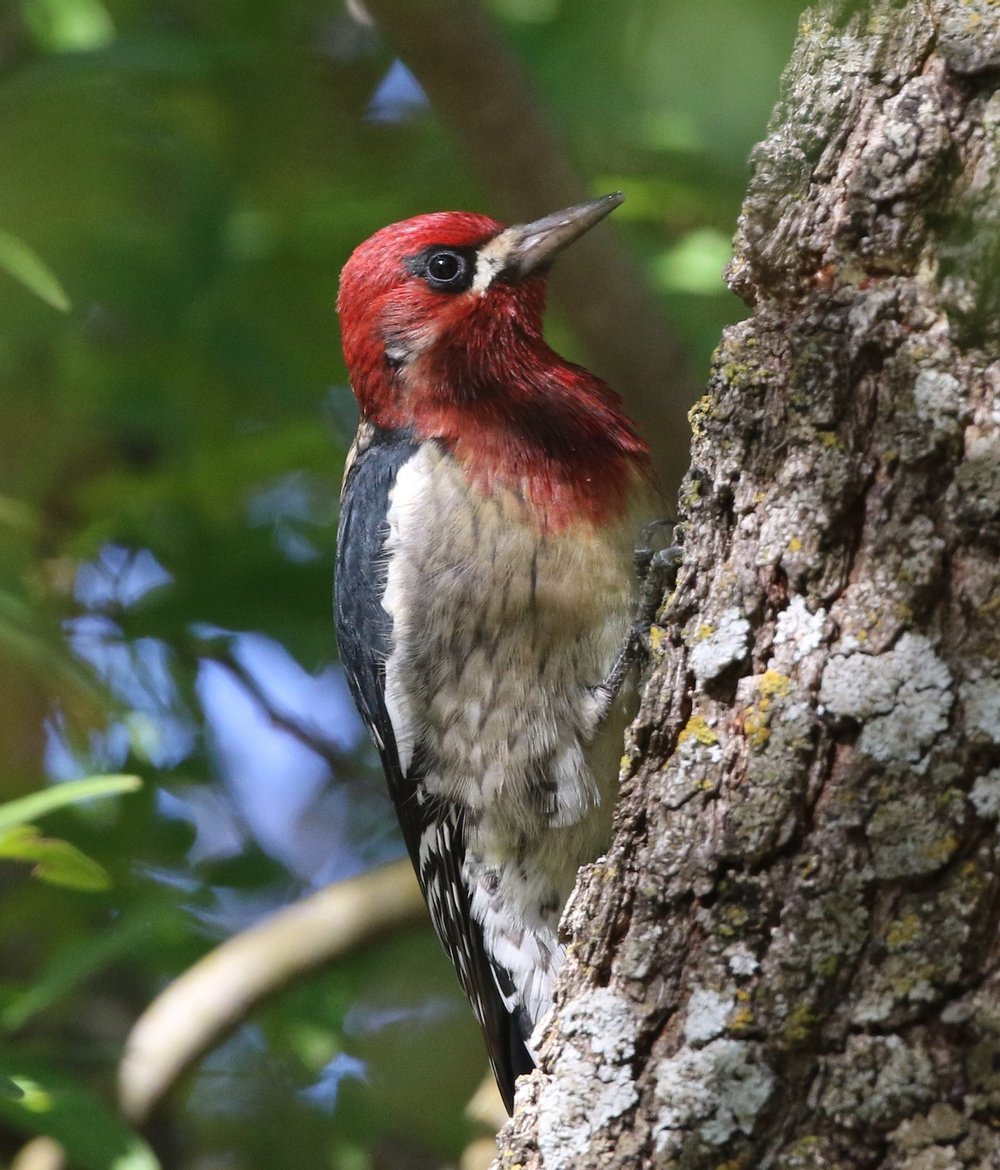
(526, 247)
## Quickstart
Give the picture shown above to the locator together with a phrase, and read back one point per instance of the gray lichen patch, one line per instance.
(943, 1138)
(981, 704)
(973, 499)
(716, 1091)
(741, 961)
(715, 647)
(901, 698)
(985, 794)
(707, 1013)
(937, 397)
(822, 932)
(917, 958)
(970, 36)
(875, 1083)
(591, 1083)
(914, 834)
(798, 632)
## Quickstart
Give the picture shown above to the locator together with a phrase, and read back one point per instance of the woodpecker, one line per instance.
(485, 589)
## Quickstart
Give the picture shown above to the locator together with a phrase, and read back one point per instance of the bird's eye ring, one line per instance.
(445, 269)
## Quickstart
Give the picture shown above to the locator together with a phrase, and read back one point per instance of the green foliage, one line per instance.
(19, 261)
(53, 860)
(183, 182)
(17, 813)
(46, 1102)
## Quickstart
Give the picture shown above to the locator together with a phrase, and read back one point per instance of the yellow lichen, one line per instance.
(942, 849)
(902, 931)
(800, 1025)
(795, 545)
(773, 683)
(698, 413)
(697, 729)
(740, 1019)
(756, 722)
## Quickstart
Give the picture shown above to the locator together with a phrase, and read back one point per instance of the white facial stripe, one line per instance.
(490, 260)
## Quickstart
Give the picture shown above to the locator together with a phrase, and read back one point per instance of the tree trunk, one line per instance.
(790, 956)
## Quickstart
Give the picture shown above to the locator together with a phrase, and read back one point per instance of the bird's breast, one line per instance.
(500, 636)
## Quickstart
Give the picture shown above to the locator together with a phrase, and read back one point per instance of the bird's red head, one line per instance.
(409, 299)
(441, 326)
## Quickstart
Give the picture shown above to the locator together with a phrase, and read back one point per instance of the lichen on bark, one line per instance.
(796, 933)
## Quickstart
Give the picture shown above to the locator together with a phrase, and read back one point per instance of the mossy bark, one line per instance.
(790, 957)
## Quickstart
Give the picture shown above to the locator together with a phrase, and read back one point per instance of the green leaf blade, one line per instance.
(24, 264)
(37, 804)
(57, 862)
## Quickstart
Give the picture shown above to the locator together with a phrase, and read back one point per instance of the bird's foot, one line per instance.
(657, 572)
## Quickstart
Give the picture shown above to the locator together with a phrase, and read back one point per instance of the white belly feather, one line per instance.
(498, 645)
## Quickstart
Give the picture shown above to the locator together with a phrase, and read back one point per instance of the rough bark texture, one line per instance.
(791, 958)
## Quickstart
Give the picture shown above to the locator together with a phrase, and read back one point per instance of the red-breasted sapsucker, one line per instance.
(485, 589)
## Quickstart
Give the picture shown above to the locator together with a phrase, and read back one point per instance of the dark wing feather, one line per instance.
(432, 829)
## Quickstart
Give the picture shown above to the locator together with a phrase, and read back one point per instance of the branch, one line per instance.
(220, 990)
(40, 1153)
(338, 760)
(483, 95)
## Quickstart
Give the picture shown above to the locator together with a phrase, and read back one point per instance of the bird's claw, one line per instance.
(645, 549)
(660, 576)
(657, 572)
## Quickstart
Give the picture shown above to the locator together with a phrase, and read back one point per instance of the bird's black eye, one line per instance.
(445, 269)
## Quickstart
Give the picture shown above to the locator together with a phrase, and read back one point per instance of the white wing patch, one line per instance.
(401, 592)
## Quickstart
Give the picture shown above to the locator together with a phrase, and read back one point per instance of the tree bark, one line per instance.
(790, 957)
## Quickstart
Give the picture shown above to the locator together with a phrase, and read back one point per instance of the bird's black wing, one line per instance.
(433, 829)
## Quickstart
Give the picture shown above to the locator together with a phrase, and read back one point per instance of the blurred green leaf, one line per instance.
(93, 1135)
(19, 517)
(27, 808)
(54, 861)
(77, 961)
(25, 265)
(68, 26)
(695, 264)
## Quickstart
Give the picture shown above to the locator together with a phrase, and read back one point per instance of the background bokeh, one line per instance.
(180, 184)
